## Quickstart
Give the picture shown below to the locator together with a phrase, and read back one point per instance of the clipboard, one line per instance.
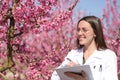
(74, 69)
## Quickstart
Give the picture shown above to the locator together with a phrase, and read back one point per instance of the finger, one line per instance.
(73, 75)
(83, 74)
(71, 63)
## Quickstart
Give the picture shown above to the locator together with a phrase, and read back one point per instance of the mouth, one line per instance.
(81, 38)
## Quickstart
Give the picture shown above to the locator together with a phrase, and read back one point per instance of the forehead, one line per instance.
(84, 24)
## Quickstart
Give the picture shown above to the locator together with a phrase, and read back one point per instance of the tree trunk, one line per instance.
(10, 63)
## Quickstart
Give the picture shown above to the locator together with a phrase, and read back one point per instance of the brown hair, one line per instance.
(97, 28)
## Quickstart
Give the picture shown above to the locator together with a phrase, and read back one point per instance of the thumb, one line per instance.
(84, 74)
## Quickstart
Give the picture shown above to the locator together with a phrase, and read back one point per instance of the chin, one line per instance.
(81, 43)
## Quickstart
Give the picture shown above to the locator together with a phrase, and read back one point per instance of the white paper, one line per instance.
(77, 69)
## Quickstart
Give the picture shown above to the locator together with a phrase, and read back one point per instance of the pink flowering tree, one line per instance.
(35, 35)
(111, 17)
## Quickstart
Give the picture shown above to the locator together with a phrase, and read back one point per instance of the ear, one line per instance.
(94, 35)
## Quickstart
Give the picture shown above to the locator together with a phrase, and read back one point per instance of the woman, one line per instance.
(92, 51)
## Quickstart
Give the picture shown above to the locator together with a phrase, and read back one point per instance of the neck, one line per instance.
(88, 50)
(90, 47)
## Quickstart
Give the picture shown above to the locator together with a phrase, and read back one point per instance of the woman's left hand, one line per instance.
(77, 76)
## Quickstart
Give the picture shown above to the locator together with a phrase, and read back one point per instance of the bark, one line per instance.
(10, 63)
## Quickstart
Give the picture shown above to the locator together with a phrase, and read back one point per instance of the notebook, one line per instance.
(75, 69)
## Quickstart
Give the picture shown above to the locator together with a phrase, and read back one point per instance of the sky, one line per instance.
(92, 7)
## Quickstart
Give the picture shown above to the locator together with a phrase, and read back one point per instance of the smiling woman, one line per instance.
(85, 33)
(92, 50)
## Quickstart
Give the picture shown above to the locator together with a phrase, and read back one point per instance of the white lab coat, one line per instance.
(106, 59)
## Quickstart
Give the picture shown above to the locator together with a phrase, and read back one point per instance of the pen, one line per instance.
(69, 59)
(71, 63)
(94, 67)
(100, 69)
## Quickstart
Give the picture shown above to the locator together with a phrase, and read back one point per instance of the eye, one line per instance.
(84, 29)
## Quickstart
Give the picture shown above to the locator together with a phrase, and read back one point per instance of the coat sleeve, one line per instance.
(110, 70)
(54, 74)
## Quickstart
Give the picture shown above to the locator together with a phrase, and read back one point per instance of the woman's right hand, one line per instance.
(71, 63)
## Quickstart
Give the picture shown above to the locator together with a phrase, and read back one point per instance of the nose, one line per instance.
(80, 32)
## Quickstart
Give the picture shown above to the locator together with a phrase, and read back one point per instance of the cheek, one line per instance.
(90, 36)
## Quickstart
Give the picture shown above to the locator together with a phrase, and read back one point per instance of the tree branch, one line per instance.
(10, 63)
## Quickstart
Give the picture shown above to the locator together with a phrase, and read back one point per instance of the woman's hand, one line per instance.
(76, 76)
(71, 63)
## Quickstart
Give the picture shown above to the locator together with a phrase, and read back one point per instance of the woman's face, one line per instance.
(86, 34)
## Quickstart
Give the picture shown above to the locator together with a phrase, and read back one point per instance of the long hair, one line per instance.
(97, 28)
